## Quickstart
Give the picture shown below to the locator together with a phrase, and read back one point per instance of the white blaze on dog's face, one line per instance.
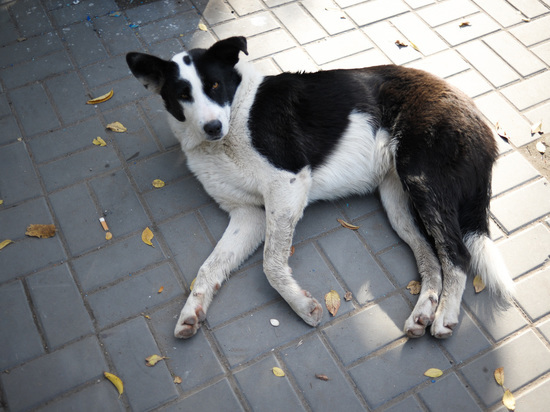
(197, 86)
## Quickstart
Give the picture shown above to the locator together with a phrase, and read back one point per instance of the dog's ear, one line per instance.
(228, 50)
(149, 70)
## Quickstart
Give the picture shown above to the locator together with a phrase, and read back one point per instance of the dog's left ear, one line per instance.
(149, 70)
(228, 50)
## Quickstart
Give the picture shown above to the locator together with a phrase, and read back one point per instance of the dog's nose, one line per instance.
(213, 128)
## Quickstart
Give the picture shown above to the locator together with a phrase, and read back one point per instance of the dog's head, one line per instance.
(197, 86)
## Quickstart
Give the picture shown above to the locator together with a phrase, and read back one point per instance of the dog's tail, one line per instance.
(487, 262)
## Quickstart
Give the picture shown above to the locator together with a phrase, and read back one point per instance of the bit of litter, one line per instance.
(103, 224)
(274, 322)
(541, 147)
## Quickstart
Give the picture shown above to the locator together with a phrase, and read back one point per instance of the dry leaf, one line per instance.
(499, 376)
(98, 141)
(478, 284)
(526, 20)
(332, 300)
(108, 236)
(101, 99)
(192, 285)
(400, 44)
(536, 128)
(347, 225)
(158, 183)
(433, 373)
(1, 202)
(278, 372)
(414, 287)
(292, 250)
(464, 24)
(177, 380)
(41, 231)
(322, 377)
(541, 147)
(5, 243)
(161, 289)
(348, 296)
(508, 400)
(154, 359)
(502, 133)
(147, 236)
(115, 380)
(147, 316)
(116, 127)
(414, 46)
(203, 27)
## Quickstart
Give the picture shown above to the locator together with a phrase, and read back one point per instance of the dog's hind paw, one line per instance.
(189, 324)
(444, 325)
(422, 315)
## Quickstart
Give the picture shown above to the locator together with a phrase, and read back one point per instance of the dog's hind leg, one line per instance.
(244, 233)
(397, 205)
(284, 205)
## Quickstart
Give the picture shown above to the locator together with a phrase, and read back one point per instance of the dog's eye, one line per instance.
(215, 85)
(184, 96)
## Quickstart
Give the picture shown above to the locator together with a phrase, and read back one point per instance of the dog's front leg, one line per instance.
(244, 233)
(285, 204)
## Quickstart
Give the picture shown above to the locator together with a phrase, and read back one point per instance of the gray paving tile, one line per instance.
(456, 397)
(318, 218)
(410, 404)
(325, 13)
(247, 26)
(125, 90)
(355, 265)
(34, 109)
(19, 337)
(269, 43)
(157, 117)
(542, 51)
(532, 294)
(377, 231)
(401, 264)
(82, 165)
(8, 31)
(544, 328)
(416, 31)
(101, 395)
(444, 64)
(369, 330)
(441, 13)
(471, 83)
(373, 11)
(373, 375)
(534, 399)
(169, 27)
(511, 171)
(106, 71)
(193, 360)
(243, 7)
(371, 57)
(532, 33)
(529, 8)
(116, 35)
(521, 366)
(48, 376)
(4, 106)
(384, 35)
(31, 48)
(31, 17)
(168, 166)
(532, 91)
(358, 206)
(501, 11)
(304, 28)
(14, 220)
(480, 25)
(214, 11)
(264, 391)
(217, 397)
(60, 308)
(337, 47)
(156, 10)
(136, 294)
(66, 13)
(311, 358)
(128, 345)
(84, 44)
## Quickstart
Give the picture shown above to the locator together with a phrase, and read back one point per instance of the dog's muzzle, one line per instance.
(213, 129)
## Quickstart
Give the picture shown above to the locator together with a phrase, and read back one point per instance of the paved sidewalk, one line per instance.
(76, 305)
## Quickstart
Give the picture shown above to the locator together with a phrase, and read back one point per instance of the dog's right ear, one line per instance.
(149, 70)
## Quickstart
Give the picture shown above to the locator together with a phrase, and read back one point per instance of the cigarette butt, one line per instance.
(103, 223)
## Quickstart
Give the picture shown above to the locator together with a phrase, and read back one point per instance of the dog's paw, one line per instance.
(189, 323)
(309, 309)
(422, 315)
(444, 323)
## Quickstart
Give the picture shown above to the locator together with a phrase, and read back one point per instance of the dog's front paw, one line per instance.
(422, 315)
(444, 323)
(309, 309)
(189, 322)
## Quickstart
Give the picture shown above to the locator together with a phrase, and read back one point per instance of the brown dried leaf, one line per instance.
(322, 377)
(332, 300)
(347, 225)
(177, 380)
(101, 99)
(499, 376)
(478, 284)
(508, 400)
(464, 24)
(414, 287)
(5, 243)
(400, 44)
(433, 373)
(154, 359)
(161, 289)
(348, 296)
(41, 231)
(278, 372)
(147, 236)
(116, 127)
(292, 250)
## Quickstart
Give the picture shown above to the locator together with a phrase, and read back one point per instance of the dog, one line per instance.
(264, 147)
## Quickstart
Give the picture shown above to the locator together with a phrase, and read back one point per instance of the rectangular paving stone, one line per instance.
(169, 166)
(34, 109)
(136, 294)
(31, 48)
(311, 358)
(376, 10)
(247, 26)
(69, 96)
(299, 23)
(261, 390)
(156, 115)
(355, 265)
(532, 294)
(126, 90)
(471, 83)
(116, 35)
(401, 264)
(14, 220)
(372, 57)
(101, 395)
(19, 337)
(529, 8)
(480, 25)
(66, 13)
(60, 308)
(318, 218)
(269, 43)
(31, 17)
(444, 12)
(328, 16)
(295, 60)
(520, 365)
(373, 375)
(501, 11)
(157, 10)
(539, 114)
(511, 171)
(542, 51)
(339, 46)
(534, 399)
(377, 231)
(193, 360)
(455, 398)
(529, 92)
(128, 345)
(243, 7)
(217, 397)
(369, 330)
(410, 404)
(84, 44)
(523, 205)
(115, 261)
(359, 206)
(214, 11)
(106, 71)
(49, 376)
(418, 32)
(167, 28)
(16, 166)
(533, 32)
(444, 64)
(8, 31)
(384, 35)
(94, 161)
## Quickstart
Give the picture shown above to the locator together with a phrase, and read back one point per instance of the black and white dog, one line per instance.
(266, 147)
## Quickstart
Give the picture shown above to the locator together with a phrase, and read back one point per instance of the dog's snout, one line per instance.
(213, 128)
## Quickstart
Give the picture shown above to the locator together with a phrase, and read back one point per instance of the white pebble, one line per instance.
(274, 322)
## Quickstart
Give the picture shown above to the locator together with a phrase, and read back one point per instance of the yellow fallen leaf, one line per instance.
(478, 284)
(147, 316)
(5, 243)
(499, 376)
(536, 128)
(203, 27)
(101, 99)
(98, 141)
(158, 183)
(508, 400)
(41, 231)
(147, 236)
(347, 225)
(1, 202)
(154, 359)
(414, 46)
(192, 284)
(116, 127)
(177, 380)
(278, 372)
(115, 380)
(414, 287)
(332, 300)
(108, 236)
(433, 373)
(161, 289)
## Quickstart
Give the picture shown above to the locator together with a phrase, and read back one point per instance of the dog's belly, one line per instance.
(362, 158)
